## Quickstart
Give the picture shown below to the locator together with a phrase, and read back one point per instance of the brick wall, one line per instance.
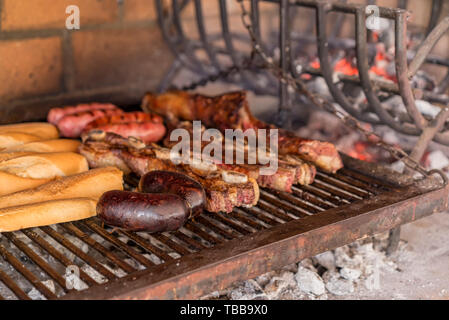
(117, 55)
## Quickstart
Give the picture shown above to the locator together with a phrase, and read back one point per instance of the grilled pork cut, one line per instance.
(231, 111)
(224, 189)
(291, 170)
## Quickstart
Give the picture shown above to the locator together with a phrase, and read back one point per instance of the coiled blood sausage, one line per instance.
(135, 211)
(175, 183)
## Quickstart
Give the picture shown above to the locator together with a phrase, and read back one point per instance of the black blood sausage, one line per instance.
(151, 212)
(175, 183)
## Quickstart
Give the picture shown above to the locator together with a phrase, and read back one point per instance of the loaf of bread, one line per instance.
(33, 170)
(90, 184)
(46, 213)
(12, 139)
(43, 130)
(55, 145)
(12, 155)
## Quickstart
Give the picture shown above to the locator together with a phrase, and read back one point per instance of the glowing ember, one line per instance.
(361, 152)
(346, 67)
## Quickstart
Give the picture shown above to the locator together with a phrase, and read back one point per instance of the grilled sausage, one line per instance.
(72, 125)
(57, 114)
(134, 211)
(175, 183)
(127, 117)
(147, 127)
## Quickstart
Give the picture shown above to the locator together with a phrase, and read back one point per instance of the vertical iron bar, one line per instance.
(434, 15)
(402, 69)
(203, 36)
(284, 118)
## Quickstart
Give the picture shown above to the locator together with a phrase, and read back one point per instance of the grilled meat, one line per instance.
(57, 114)
(72, 125)
(231, 111)
(147, 127)
(291, 170)
(223, 190)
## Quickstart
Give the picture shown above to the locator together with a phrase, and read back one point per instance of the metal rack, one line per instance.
(374, 111)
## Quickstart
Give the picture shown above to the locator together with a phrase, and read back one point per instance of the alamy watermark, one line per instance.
(236, 143)
(73, 20)
(72, 278)
(373, 20)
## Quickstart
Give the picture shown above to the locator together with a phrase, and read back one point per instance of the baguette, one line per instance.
(46, 213)
(31, 171)
(10, 183)
(55, 145)
(12, 155)
(44, 130)
(11, 139)
(89, 184)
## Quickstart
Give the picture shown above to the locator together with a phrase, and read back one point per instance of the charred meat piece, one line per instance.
(291, 170)
(224, 190)
(231, 111)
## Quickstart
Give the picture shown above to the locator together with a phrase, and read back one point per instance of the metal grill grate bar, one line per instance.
(20, 294)
(171, 244)
(37, 260)
(97, 246)
(86, 258)
(146, 245)
(16, 264)
(119, 244)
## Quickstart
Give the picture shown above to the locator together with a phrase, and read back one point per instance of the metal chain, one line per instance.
(322, 103)
(247, 64)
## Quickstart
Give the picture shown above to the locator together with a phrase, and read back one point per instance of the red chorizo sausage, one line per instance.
(147, 127)
(57, 114)
(134, 211)
(175, 183)
(72, 125)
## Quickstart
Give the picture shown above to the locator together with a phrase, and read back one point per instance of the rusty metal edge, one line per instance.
(193, 276)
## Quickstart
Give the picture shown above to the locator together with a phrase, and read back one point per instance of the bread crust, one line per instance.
(54, 145)
(89, 184)
(46, 213)
(43, 130)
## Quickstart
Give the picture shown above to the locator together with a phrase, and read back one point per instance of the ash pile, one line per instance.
(334, 274)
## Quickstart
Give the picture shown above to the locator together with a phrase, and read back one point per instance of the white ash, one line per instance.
(337, 285)
(34, 294)
(93, 274)
(329, 275)
(309, 281)
(437, 160)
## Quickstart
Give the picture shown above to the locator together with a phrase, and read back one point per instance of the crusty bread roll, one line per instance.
(12, 155)
(33, 170)
(89, 184)
(44, 130)
(46, 213)
(45, 165)
(11, 139)
(10, 183)
(56, 145)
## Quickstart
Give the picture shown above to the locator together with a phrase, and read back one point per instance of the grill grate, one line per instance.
(115, 248)
(34, 262)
